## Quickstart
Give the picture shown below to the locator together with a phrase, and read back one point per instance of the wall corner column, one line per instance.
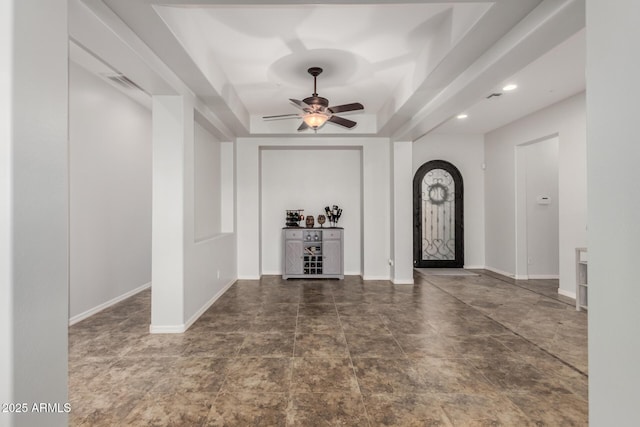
(172, 127)
(402, 211)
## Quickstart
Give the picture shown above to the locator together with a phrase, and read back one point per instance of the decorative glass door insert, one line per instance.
(438, 216)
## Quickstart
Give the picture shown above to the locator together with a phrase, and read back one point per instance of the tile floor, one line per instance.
(449, 350)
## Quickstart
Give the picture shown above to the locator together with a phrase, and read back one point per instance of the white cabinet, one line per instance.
(313, 253)
(581, 279)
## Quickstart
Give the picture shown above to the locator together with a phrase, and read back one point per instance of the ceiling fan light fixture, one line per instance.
(315, 120)
(316, 109)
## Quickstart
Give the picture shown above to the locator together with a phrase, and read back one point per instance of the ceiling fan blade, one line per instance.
(280, 116)
(303, 126)
(346, 107)
(342, 121)
(299, 104)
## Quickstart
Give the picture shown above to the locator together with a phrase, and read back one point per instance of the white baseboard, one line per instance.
(167, 329)
(475, 267)
(504, 273)
(376, 278)
(179, 329)
(522, 276)
(403, 282)
(567, 293)
(544, 276)
(208, 304)
(248, 278)
(78, 317)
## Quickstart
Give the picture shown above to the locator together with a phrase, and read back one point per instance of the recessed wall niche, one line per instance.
(309, 178)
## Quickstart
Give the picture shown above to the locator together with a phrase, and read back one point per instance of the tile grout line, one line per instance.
(289, 408)
(353, 367)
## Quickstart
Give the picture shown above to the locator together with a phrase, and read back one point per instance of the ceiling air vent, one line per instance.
(121, 80)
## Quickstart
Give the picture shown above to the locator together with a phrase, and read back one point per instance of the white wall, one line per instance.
(466, 152)
(207, 181)
(310, 179)
(567, 120)
(613, 66)
(33, 208)
(6, 249)
(228, 187)
(210, 258)
(110, 194)
(374, 194)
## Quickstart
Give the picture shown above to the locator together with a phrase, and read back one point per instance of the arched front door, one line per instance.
(438, 238)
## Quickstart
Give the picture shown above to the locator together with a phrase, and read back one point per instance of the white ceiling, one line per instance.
(365, 50)
(557, 75)
(413, 65)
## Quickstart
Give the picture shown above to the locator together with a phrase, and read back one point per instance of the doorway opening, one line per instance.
(537, 209)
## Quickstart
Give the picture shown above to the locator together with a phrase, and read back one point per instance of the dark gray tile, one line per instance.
(322, 409)
(482, 350)
(322, 375)
(377, 375)
(484, 409)
(373, 345)
(258, 375)
(321, 345)
(405, 409)
(268, 345)
(248, 408)
(171, 409)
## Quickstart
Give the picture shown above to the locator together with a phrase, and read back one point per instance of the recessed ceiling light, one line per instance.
(510, 87)
(462, 116)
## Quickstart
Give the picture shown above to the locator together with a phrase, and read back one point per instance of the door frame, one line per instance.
(458, 262)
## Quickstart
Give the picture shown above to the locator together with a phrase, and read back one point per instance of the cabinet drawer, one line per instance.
(331, 234)
(293, 234)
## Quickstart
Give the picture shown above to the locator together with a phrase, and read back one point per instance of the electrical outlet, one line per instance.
(218, 273)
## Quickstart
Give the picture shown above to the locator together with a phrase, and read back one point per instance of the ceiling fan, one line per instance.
(316, 110)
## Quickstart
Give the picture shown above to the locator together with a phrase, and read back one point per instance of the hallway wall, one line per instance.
(567, 120)
(110, 194)
(207, 184)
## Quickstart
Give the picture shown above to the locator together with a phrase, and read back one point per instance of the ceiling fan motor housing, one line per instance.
(316, 100)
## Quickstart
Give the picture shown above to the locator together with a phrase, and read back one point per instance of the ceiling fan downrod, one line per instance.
(315, 72)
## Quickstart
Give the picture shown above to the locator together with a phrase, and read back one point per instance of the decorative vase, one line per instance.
(310, 221)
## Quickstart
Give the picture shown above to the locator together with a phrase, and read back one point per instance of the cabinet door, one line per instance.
(332, 257)
(293, 257)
